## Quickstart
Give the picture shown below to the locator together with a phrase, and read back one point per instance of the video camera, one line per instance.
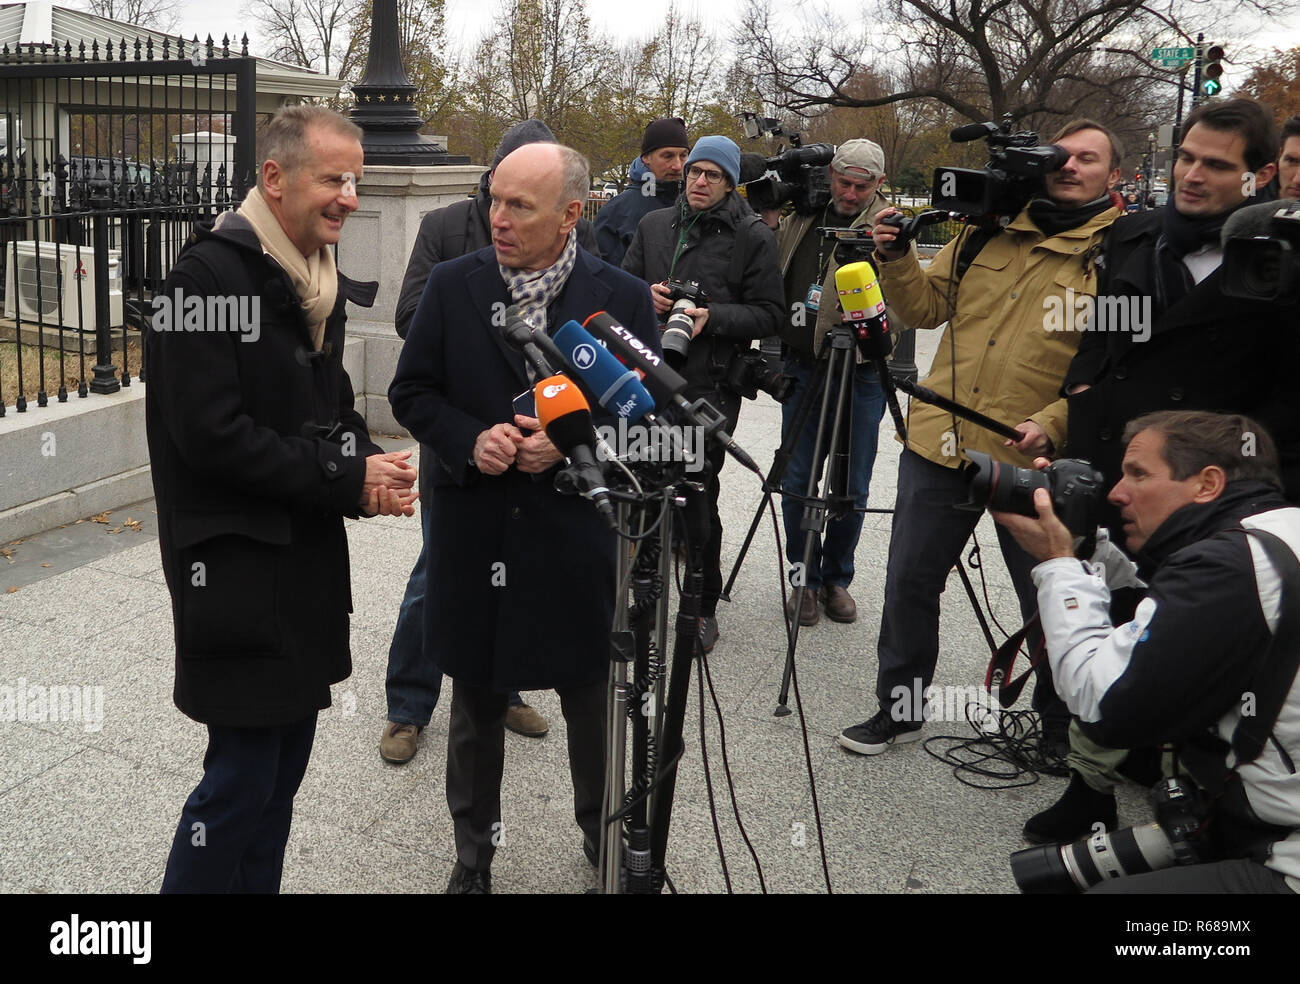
(797, 175)
(1263, 267)
(987, 197)
(1013, 175)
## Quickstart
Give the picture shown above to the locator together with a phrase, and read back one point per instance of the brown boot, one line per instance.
(527, 721)
(808, 613)
(839, 603)
(398, 742)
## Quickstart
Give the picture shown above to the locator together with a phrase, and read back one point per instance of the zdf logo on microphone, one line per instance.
(554, 390)
(584, 356)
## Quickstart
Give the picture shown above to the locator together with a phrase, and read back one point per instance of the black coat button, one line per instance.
(1176, 394)
(1104, 433)
(1121, 373)
(331, 467)
(515, 512)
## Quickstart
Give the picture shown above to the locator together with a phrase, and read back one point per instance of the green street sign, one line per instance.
(1175, 54)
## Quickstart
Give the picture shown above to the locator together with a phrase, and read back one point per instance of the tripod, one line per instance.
(835, 364)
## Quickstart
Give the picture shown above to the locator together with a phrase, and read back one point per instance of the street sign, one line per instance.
(1173, 54)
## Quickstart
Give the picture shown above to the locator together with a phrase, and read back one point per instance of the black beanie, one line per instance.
(527, 132)
(665, 133)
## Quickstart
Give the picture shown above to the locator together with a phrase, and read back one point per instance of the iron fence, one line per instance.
(110, 156)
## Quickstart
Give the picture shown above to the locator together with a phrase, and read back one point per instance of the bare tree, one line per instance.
(310, 33)
(986, 58)
(160, 15)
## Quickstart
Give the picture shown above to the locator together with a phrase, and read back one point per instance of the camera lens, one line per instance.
(1070, 868)
(1002, 487)
(676, 338)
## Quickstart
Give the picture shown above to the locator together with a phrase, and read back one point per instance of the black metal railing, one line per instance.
(111, 154)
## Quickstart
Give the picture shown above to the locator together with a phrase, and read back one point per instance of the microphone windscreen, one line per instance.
(1255, 220)
(971, 131)
(859, 290)
(616, 387)
(563, 413)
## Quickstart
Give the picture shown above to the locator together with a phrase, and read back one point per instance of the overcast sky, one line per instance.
(467, 20)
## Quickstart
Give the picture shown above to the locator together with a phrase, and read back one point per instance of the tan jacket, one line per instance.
(788, 236)
(1006, 362)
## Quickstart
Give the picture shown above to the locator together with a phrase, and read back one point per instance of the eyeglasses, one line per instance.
(693, 174)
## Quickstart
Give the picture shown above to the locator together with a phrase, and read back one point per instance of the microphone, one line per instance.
(615, 387)
(1255, 221)
(566, 418)
(521, 336)
(863, 305)
(665, 383)
(972, 131)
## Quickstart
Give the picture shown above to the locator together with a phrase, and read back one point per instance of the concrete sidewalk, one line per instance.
(90, 806)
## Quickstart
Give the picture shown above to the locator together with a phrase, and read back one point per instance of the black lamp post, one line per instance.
(385, 101)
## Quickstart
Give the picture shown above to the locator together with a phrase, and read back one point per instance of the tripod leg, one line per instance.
(780, 461)
(839, 366)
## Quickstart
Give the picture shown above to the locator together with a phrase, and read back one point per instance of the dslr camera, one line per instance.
(1074, 485)
(678, 329)
(750, 372)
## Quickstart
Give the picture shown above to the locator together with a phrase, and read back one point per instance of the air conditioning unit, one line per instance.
(38, 275)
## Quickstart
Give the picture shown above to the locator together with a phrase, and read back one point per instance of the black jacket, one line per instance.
(521, 579)
(1206, 352)
(251, 500)
(618, 218)
(749, 307)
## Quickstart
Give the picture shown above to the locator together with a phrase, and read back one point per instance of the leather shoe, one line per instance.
(1073, 815)
(525, 720)
(467, 881)
(809, 614)
(839, 603)
(708, 633)
(398, 742)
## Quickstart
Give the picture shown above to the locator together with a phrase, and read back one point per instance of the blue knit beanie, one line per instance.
(722, 151)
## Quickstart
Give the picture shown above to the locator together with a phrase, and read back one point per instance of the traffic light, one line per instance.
(1212, 70)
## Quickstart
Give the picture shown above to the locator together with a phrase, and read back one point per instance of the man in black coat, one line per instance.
(521, 579)
(655, 185)
(1164, 336)
(257, 455)
(413, 683)
(714, 238)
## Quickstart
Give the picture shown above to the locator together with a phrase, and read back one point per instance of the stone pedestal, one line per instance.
(375, 245)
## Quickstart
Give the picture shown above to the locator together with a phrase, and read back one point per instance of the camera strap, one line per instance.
(997, 678)
(1276, 675)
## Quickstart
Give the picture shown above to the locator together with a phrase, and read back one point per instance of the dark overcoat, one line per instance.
(1207, 351)
(521, 579)
(250, 498)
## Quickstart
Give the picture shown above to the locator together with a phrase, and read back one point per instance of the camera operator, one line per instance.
(808, 265)
(664, 147)
(1000, 359)
(1166, 337)
(713, 238)
(1288, 160)
(1198, 659)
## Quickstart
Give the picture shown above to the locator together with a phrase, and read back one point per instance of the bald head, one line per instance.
(537, 196)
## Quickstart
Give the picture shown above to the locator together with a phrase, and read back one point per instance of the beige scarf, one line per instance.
(315, 278)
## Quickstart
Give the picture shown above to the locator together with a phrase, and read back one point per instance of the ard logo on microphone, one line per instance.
(583, 357)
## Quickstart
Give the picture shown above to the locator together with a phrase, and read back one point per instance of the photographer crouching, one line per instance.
(712, 268)
(1208, 662)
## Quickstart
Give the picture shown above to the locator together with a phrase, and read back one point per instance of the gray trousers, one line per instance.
(476, 760)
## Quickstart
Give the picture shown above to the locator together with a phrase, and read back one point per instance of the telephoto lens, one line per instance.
(1068, 869)
(1074, 485)
(676, 338)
